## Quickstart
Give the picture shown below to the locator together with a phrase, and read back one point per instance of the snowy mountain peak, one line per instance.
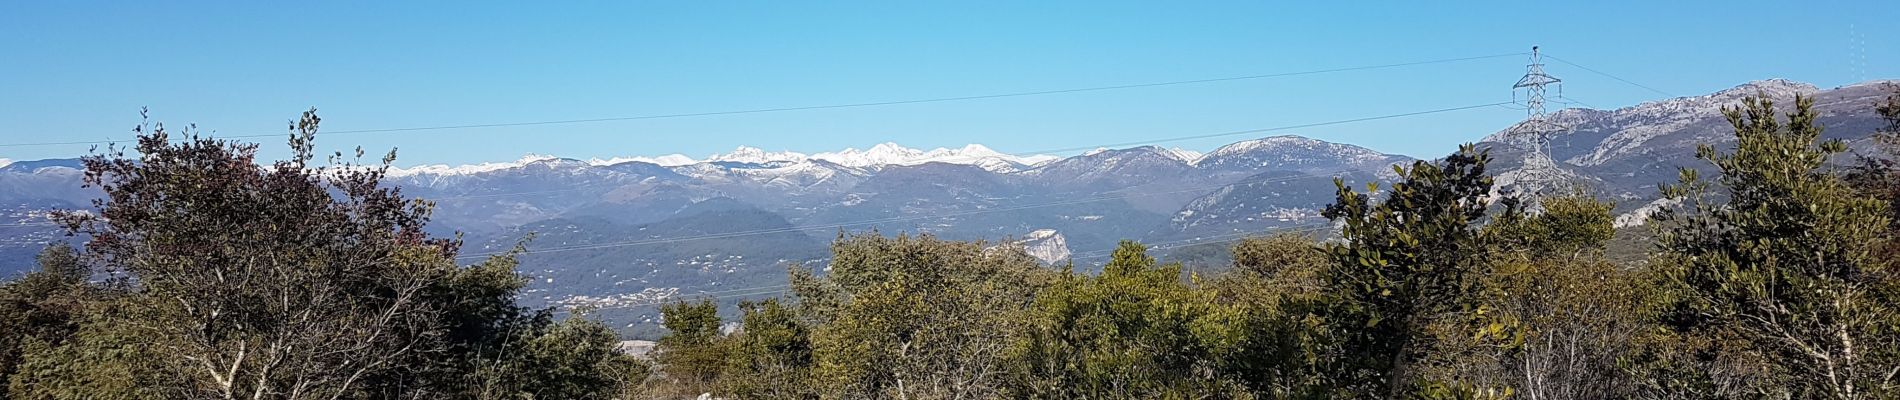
(886, 153)
(890, 148)
(443, 169)
(879, 155)
(669, 160)
(974, 148)
(1135, 152)
(893, 154)
(1287, 143)
(754, 155)
(1289, 151)
(1185, 155)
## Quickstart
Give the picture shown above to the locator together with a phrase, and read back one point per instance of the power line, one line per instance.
(1568, 99)
(1282, 128)
(835, 106)
(1618, 78)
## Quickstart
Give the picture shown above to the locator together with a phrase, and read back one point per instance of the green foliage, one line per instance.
(1406, 262)
(577, 358)
(1786, 271)
(693, 352)
(1571, 226)
(103, 359)
(771, 356)
(290, 280)
(41, 309)
(1134, 331)
(1553, 317)
(58, 339)
(1275, 286)
(1295, 261)
(1878, 175)
(918, 317)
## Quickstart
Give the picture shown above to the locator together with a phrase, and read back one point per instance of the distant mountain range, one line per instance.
(627, 231)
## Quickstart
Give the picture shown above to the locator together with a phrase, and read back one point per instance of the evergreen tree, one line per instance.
(1405, 263)
(1275, 287)
(1135, 331)
(576, 358)
(1786, 269)
(1878, 174)
(771, 355)
(289, 280)
(1553, 317)
(693, 351)
(918, 317)
(43, 308)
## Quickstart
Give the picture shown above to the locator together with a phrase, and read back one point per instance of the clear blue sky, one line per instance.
(81, 70)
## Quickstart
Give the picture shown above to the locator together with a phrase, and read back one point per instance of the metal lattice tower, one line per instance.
(1537, 126)
(1540, 175)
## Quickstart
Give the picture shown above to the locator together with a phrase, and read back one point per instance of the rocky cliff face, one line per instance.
(1046, 245)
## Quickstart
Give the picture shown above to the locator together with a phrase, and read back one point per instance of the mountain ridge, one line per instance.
(876, 156)
(746, 214)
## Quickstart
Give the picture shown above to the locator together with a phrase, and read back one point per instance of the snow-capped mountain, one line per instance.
(1622, 154)
(754, 155)
(1189, 156)
(680, 225)
(669, 160)
(878, 156)
(1668, 123)
(1294, 152)
(1120, 167)
(887, 153)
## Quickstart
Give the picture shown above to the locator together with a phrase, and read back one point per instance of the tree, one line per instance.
(1553, 317)
(576, 358)
(1786, 269)
(1405, 262)
(1135, 331)
(1276, 289)
(771, 355)
(267, 285)
(693, 352)
(288, 280)
(917, 317)
(1878, 175)
(1292, 260)
(105, 357)
(43, 308)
